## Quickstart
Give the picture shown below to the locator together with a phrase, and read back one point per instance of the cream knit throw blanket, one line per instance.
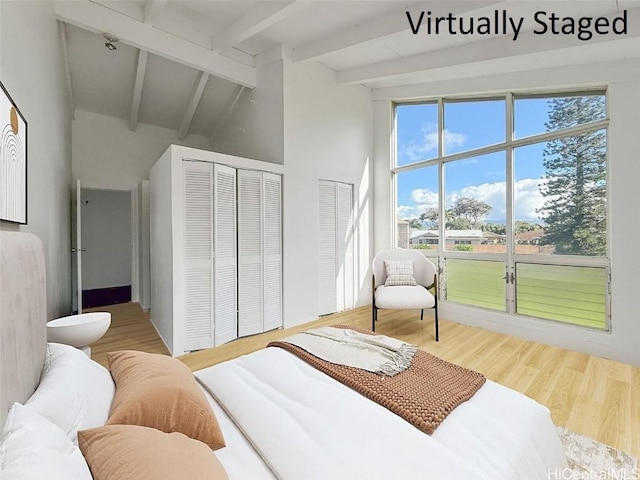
(373, 353)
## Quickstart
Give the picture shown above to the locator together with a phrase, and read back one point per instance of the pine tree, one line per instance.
(575, 183)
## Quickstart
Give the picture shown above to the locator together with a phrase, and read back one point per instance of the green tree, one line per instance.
(415, 224)
(522, 227)
(575, 183)
(465, 214)
(458, 223)
(469, 211)
(430, 217)
(494, 228)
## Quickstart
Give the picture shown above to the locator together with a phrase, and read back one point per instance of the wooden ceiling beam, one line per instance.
(259, 19)
(390, 24)
(137, 89)
(192, 104)
(96, 18)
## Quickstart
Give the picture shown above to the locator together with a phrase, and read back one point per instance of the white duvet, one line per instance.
(305, 425)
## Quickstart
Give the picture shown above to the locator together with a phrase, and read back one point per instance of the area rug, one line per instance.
(589, 459)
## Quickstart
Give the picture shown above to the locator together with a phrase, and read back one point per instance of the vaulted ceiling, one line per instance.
(182, 64)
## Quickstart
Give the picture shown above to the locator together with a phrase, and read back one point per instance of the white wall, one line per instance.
(106, 154)
(144, 268)
(161, 245)
(254, 129)
(327, 135)
(106, 234)
(31, 68)
(623, 82)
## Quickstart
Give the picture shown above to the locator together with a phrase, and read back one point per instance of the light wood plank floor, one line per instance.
(596, 397)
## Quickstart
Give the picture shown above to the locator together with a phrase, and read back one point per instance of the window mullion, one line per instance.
(510, 188)
(441, 192)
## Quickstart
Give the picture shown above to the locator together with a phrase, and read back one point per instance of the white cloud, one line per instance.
(429, 142)
(527, 199)
(407, 212)
(425, 198)
(453, 139)
(491, 193)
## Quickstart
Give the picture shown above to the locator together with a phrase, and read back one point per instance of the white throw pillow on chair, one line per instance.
(399, 273)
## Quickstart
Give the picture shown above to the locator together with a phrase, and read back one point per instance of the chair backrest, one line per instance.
(423, 268)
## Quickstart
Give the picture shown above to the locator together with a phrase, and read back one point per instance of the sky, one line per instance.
(470, 125)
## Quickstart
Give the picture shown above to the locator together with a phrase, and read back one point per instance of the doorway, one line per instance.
(106, 247)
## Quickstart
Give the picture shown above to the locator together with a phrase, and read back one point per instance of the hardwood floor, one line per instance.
(131, 329)
(596, 397)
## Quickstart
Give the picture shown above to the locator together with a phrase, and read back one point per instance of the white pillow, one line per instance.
(74, 393)
(399, 273)
(33, 448)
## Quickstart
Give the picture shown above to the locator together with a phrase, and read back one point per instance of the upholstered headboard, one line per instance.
(23, 317)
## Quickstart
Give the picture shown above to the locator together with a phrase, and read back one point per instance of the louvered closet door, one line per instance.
(335, 244)
(250, 304)
(328, 299)
(198, 272)
(225, 258)
(272, 248)
(344, 247)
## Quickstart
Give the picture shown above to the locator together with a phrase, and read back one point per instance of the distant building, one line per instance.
(490, 238)
(403, 234)
(533, 237)
(455, 237)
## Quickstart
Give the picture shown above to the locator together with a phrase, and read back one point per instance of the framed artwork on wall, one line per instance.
(13, 161)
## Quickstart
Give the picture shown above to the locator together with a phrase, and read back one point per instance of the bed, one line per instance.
(280, 417)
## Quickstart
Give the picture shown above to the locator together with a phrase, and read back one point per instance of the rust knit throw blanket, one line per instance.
(423, 395)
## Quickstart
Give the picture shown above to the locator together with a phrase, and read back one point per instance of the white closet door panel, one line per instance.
(224, 222)
(226, 318)
(198, 322)
(272, 270)
(344, 239)
(198, 270)
(272, 208)
(327, 295)
(328, 299)
(327, 211)
(250, 319)
(272, 295)
(335, 245)
(250, 299)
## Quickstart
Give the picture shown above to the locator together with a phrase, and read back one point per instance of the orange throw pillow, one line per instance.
(141, 453)
(160, 392)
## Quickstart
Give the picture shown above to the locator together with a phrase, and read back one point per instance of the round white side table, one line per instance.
(80, 330)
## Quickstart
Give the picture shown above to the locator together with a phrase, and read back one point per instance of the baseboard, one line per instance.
(99, 297)
(161, 337)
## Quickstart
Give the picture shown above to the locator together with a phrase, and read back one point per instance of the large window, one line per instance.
(509, 195)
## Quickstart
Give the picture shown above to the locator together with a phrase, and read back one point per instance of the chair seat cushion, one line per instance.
(403, 297)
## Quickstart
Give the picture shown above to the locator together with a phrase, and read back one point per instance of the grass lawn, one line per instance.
(556, 292)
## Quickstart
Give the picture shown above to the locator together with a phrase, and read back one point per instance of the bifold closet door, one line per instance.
(272, 248)
(327, 294)
(225, 254)
(198, 254)
(259, 252)
(250, 252)
(210, 255)
(344, 246)
(335, 247)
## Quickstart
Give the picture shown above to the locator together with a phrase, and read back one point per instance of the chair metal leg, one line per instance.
(422, 314)
(374, 317)
(436, 315)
